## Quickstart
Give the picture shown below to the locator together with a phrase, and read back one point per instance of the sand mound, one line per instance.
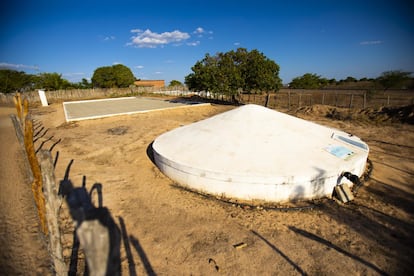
(403, 114)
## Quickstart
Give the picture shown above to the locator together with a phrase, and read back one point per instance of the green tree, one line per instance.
(228, 74)
(350, 79)
(332, 81)
(85, 83)
(175, 83)
(394, 79)
(103, 77)
(51, 81)
(112, 76)
(204, 75)
(261, 74)
(308, 81)
(12, 81)
(235, 71)
(123, 75)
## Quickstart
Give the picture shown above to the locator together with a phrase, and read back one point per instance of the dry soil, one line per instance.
(170, 231)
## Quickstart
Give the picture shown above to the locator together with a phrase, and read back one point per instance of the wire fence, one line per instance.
(283, 99)
(80, 94)
(293, 98)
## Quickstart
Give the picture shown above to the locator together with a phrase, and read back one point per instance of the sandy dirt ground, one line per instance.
(22, 248)
(170, 231)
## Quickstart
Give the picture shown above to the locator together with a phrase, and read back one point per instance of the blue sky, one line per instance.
(164, 39)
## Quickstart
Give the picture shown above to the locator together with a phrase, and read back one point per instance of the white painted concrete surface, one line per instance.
(102, 108)
(255, 153)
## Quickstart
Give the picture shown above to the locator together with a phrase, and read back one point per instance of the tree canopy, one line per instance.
(51, 81)
(113, 76)
(227, 73)
(387, 80)
(394, 79)
(12, 81)
(308, 81)
(175, 83)
(234, 71)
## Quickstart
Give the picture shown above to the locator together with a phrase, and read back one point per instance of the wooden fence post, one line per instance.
(37, 174)
(18, 104)
(289, 100)
(365, 100)
(25, 108)
(351, 100)
(53, 203)
(94, 238)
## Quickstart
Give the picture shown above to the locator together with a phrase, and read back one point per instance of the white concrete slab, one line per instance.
(255, 153)
(94, 109)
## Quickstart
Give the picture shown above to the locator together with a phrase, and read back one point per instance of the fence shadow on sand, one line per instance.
(98, 233)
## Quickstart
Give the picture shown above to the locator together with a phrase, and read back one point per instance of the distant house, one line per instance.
(150, 83)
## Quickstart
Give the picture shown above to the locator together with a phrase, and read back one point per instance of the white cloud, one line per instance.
(139, 67)
(195, 43)
(107, 38)
(236, 43)
(199, 30)
(149, 39)
(371, 42)
(12, 66)
(158, 72)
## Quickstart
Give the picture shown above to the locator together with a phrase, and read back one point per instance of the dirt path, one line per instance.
(22, 249)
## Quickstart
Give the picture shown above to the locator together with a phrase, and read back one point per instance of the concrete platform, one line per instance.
(93, 109)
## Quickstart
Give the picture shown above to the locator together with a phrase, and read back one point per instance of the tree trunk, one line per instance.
(267, 99)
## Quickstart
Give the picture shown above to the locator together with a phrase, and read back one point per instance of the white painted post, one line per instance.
(43, 98)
